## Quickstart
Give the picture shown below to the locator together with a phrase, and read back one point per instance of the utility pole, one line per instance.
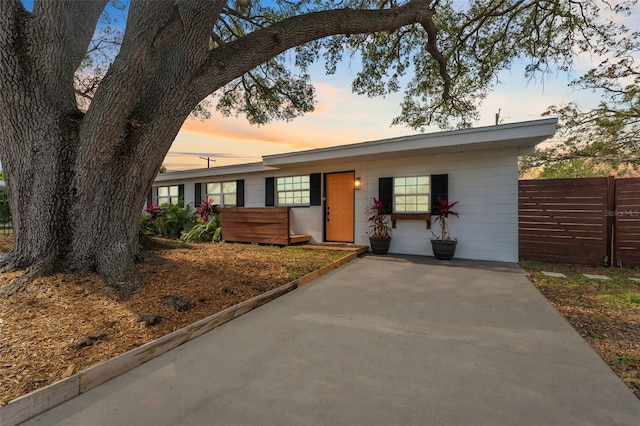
(209, 160)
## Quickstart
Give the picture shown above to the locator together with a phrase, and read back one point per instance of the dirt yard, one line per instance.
(63, 324)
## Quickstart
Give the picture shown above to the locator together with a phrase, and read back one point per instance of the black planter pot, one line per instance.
(443, 250)
(380, 245)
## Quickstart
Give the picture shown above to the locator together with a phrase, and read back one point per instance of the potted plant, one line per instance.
(444, 247)
(380, 231)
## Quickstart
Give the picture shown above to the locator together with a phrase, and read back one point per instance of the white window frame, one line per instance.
(222, 198)
(172, 195)
(412, 194)
(293, 190)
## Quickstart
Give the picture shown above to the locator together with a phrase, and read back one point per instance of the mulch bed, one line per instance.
(62, 324)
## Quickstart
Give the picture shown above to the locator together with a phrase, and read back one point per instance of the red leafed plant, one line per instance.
(154, 211)
(379, 228)
(444, 210)
(206, 210)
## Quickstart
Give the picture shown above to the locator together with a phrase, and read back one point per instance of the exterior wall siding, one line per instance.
(485, 183)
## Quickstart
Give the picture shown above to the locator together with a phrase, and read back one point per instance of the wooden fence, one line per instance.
(627, 222)
(584, 221)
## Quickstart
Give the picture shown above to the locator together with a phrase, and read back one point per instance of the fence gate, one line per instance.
(563, 220)
(627, 222)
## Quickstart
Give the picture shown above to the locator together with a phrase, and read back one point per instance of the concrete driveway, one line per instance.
(380, 341)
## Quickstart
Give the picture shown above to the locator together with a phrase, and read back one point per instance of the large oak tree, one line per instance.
(78, 166)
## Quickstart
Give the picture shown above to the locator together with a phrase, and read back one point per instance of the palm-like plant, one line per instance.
(444, 210)
(379, 228)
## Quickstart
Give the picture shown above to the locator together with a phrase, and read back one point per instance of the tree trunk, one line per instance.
(77, 181)
(66, 219)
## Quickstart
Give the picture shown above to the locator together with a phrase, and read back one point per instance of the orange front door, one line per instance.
(339, 207)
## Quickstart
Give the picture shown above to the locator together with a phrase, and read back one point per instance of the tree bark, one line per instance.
(77, 181)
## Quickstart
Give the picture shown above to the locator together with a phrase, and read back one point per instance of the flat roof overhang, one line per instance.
(214, 171)
(524, 136)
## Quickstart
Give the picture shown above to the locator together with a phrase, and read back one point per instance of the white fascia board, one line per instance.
(519, 135)
(213, 171)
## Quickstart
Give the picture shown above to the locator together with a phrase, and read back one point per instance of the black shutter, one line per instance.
(385, 193)
(240, 193)
(181, 194)
(198, 194)
(315, 189)
(149, 198)
(439, 189)
(269, 193)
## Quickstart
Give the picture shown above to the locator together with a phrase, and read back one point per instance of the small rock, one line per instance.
(179, 304)
(596, 276)
(89, 341)
(150, 319)
(554, 274)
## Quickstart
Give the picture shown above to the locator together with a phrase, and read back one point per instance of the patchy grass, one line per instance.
(605, 312)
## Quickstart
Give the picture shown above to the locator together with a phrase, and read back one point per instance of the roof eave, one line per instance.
(235, 169)
(524, 136)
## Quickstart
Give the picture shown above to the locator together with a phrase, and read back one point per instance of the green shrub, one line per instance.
(204, 231)
(168, 220)
(5, 211)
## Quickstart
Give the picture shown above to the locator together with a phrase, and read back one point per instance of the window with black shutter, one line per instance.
(439, 189)
(385, 193)
(315, 189)
(240, 193)
(269, 192)
(198, 194)
(223, 194)
(170, 194)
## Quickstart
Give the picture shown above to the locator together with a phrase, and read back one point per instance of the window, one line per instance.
(168, 194)
(224, 194)
(411, 194)
(293, 191)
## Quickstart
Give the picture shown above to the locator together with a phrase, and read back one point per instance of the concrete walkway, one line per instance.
(380, 341)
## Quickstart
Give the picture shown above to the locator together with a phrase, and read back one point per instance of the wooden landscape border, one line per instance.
(30, 405)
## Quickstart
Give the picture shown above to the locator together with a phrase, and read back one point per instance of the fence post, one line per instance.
(610, 216)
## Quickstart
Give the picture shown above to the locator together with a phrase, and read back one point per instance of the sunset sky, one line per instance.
(342, 117)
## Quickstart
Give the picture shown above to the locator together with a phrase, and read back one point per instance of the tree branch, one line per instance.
(65, 28)
(74, 22)
(225, 64)
(432, 48)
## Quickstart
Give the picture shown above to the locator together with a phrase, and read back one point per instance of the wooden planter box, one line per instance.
(265, 225)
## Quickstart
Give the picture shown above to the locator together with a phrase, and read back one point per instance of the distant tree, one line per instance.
(82, 138)
(163, 169)
(576, 168)
(606, 138)
(1, 174)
